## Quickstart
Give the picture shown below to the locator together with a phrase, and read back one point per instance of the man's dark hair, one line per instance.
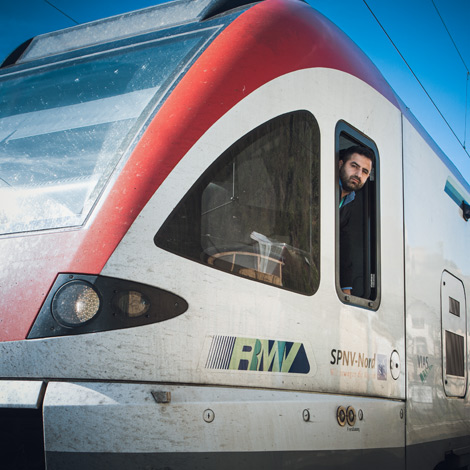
(345, 154)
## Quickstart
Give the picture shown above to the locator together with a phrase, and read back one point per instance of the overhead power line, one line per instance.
(466, 108)
(466, 68)
(462, 144)
(60, 11)
(451, 38)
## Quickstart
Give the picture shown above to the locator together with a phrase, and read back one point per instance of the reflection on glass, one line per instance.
(64, 127)
(255, 212)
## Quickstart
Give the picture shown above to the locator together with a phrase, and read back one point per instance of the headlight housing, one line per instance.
(79, 303)
(132, 303)
(75, 304)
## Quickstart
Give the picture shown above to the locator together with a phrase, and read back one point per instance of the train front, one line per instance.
(161, 303)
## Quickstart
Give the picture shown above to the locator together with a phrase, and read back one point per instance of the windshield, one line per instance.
(64, 128)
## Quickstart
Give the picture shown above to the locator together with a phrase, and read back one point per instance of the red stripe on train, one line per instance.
(271, 39)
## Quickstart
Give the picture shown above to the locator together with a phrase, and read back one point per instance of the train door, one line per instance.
(454, 338)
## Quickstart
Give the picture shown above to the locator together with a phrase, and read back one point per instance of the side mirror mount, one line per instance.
(466, 210)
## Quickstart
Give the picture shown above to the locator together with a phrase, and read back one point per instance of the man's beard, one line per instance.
(349, 184)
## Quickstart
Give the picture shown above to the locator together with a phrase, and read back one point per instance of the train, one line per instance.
(170, 246)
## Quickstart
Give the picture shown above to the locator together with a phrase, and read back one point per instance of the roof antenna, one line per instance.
(60, 11)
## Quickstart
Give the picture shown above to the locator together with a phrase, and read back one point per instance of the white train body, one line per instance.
(217, 368)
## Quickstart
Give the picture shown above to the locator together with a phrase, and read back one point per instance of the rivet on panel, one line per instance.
(208, 415)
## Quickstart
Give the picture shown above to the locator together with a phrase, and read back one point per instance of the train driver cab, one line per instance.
(255, 212)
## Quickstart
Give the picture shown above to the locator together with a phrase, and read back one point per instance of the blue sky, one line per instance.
(414, 26)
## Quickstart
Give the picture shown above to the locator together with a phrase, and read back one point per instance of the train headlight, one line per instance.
(132, 303)
(75, 304)
(86, 303)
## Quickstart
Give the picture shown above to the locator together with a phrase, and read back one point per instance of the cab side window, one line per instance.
(357, 234)
(255, 212)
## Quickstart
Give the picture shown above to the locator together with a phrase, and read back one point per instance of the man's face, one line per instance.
(354, 172)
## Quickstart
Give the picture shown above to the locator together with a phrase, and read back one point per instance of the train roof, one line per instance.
(146, 20)
(332, 47)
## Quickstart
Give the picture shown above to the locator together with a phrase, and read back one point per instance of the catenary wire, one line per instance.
(450, 35)
(417, 79)
(60, 11)
(466, 108)
(466, 68)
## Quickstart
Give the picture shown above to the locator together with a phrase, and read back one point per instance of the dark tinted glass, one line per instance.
(255, 212)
